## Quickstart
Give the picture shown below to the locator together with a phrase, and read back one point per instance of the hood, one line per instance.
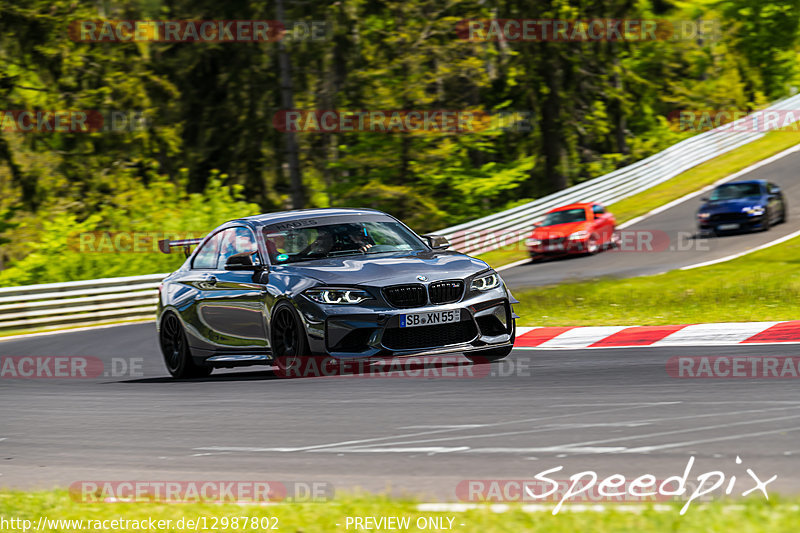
(386, 269)
(560, 230)
(734, 205)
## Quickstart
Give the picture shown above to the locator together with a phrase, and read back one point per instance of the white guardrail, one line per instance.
(79, 303)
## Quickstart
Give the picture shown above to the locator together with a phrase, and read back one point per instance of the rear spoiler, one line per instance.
(167, 245)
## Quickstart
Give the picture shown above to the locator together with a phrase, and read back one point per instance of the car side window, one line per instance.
(234, 241)
(206, 256)
(773, 189)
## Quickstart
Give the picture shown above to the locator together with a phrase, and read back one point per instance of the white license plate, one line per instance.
(723, 227)
(430, 319)
(554, 247)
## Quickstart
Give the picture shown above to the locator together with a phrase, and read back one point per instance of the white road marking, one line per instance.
(563, 447)
(741, 254)
(85, 328)
(377, 439)
(429, 450)
(582, 447)
(464, 426)
(648, 449)
(514, 264)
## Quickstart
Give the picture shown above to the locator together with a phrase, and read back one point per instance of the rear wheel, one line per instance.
(289, 342)
(175, 348)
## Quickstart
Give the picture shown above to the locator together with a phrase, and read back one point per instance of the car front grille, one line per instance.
(405, 296)
(429, 336)
(446, 292)
(727, 217)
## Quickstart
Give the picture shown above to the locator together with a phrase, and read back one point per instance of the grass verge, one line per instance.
(761, 286)
(692, 180)
(753, 515)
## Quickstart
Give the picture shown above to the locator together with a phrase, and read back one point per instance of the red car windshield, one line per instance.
(564, 217)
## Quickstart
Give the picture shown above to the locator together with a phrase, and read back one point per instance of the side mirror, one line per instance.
(243, 261)
(437, 242)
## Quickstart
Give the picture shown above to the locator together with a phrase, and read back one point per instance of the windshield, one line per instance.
(309, 242)
(734, 191)
(564, 217)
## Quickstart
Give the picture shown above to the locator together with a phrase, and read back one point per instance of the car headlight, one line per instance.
(703, 216)
(485, 283)
(338, 296)
(532, 242)
(753, 211)
(579, 235)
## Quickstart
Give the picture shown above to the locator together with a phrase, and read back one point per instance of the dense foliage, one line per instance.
(210, 152)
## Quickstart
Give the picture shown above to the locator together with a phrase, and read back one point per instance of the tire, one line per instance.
(176, 351)
(783, 214)
(767, 222)
(288, 337)
(591, 245)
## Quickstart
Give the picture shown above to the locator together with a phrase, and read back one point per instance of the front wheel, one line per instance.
(175, 348)
(289, 342)
(592, 246)
(767, 222)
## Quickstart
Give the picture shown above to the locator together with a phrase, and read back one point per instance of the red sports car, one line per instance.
(583, 228)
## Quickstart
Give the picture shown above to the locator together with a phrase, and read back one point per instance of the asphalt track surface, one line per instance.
(609, 410)
(666, 241)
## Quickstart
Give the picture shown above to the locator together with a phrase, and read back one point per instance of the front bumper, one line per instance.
(731, 222)
(561, 246)
(346, 332)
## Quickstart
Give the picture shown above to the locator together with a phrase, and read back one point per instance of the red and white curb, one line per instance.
(680, 335)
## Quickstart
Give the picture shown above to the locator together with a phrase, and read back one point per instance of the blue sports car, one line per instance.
(742, 206)
(341, 283)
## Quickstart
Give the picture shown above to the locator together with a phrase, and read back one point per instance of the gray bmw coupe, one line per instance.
(340, 283)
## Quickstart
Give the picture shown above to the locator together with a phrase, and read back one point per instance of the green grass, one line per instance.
(761, 286)
(753, 515)
(681, 185)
